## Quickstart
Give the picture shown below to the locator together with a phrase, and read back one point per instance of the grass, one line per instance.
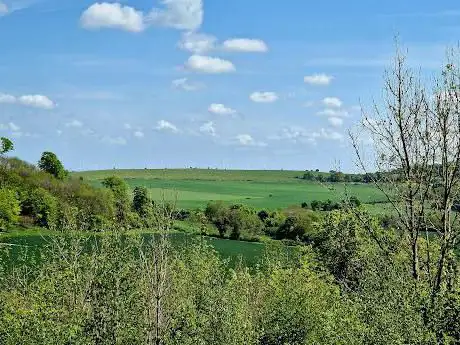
(32, 240)
(194, 188)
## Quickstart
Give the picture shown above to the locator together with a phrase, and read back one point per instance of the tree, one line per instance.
(52, 165)
(218, 214)
(416, 137)
(9, 208)
(6, 145)
(243, 218)
(41, 206)
(119, 189)
(297, 227)
(141, 201)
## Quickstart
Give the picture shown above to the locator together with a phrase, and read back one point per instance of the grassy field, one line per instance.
(33, 240)
(194, 188)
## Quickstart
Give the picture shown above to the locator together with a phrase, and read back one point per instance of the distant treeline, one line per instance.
(337, 176)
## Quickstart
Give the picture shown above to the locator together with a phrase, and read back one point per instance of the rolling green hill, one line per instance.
(194, 188)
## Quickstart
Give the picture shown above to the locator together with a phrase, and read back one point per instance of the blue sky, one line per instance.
(248, 84)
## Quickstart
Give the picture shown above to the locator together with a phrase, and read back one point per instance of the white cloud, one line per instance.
(333, 102)
(3, 9)
(164, 125)
(114, 140)
(328, 134)
(114, 16)
(178, 14)
(246, 45)
(127, 126)
(297, 134)
(186, 85)
(74, 123)
(59, 132)
(37, 101)
(4, 98)
(335, 121)
(294, 134)
(248, 140)
(318, 79)
(207, 64)
(220, 109)
(197, 43)
(14, 127)
(139, 134)
(264, 97)
(333, 113)
(208, 128)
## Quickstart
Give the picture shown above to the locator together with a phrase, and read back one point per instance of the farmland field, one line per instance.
(194, 188)
(35, 239)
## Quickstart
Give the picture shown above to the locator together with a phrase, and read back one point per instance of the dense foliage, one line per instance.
(32, 196)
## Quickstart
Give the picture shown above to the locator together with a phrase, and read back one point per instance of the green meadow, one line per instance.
(194, 188)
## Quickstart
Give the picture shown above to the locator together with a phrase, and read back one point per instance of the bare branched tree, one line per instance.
(416, 153)
(155, 265)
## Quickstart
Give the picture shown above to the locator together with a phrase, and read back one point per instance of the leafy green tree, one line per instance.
(298, 227)
(52, 165)
(141, 201)
(6, 145)
(243, 219)
(219, 214)
(316, 205)
(120, 192)
(9, 208)
(41, 205)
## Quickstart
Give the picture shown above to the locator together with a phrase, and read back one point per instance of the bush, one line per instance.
(40, 205)
(9, 208)
(298, 227)
(218, 214)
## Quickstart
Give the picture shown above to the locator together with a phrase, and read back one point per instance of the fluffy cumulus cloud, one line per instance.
(164, 125)
(318, 79)
(264, 97)
(208, 128)
(74, 123)
(35, 101)
(114, 16)
(332, 102)
(207, 64)
(220, 109)
(178, 14)
(335, 121)
(197, 43)
(248, 140)
(245, 45)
